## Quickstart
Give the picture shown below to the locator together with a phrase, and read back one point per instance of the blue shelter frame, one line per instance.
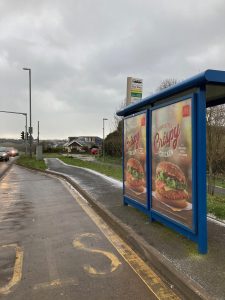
(205, 89)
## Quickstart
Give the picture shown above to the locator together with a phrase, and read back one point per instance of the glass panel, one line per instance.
(135, 158)
(172, 161)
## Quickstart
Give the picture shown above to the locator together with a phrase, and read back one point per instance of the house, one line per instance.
(82, 143)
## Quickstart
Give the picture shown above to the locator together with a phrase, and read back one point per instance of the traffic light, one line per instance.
(22, 135)
(27, 136)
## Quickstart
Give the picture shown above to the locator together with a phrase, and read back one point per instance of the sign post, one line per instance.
(134, 90)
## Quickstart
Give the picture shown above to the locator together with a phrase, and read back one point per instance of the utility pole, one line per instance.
(103, 140)
(30, 128)
(38, 134)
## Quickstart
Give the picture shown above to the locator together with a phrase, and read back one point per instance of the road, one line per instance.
(53, 246)
(5, 164)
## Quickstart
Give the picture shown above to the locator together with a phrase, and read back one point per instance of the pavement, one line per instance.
(172, 255)
(54, 246)
(81, 156)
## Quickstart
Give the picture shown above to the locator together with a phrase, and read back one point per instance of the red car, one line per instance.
(94, 151)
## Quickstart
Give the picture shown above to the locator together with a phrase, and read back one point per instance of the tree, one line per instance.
(215, 124)
(113, 141)
(167, 83)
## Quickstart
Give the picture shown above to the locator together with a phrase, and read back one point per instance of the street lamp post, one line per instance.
(26, 134)
(38, 134)
(103, 141)
(19, 113)
(30, 128)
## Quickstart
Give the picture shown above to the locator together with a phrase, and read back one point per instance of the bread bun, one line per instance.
(171, 170)
(171, 184)
(135, 178)
(179, 203)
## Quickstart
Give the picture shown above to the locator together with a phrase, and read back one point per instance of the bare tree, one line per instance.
(215, 123)
(113, 141)
(117, 119)
(166, 83)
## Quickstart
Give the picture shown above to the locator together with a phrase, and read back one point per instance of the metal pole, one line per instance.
(30, 113)
(38, 134)
(103, 141)
(103, 150)
(26, 135)
(30, 128)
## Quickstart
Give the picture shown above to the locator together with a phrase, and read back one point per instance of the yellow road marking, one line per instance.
(147, 275)
(55, 283)
(17, 270)
(115, 263)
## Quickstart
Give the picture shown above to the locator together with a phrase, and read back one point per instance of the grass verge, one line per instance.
(114, 171)
(220, 183)
(31, 162)
(110, 160)
(216, 206)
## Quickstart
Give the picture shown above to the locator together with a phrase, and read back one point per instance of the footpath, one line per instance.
(170, 254)
(174, 256)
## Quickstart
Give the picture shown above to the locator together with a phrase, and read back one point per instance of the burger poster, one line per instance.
(172, 161)
(135, 158)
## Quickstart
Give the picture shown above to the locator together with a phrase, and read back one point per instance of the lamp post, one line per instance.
(19, 113)
(103, 141)
(38, 134)
(30, 128)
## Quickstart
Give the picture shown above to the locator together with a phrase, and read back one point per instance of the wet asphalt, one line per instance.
(208, 271)
(40, 218)
(4, 165)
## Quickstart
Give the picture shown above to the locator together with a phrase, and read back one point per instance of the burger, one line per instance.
(171, 185)
(135, 177)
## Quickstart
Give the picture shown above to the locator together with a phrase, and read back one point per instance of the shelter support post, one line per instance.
(201, 171)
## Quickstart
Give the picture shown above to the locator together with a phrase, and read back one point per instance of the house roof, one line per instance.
(74, 142)
(88, 136)
(214, 81)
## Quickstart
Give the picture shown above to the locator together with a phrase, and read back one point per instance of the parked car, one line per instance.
(4, 156)
(94, 151)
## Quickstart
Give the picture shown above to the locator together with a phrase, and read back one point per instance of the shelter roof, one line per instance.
(212, 80)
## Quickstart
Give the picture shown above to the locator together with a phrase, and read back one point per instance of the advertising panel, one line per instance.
(135, 158)
(172, 162)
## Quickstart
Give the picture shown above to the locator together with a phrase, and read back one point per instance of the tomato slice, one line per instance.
(160, 184)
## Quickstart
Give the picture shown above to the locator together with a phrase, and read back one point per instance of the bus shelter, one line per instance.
(164, 154)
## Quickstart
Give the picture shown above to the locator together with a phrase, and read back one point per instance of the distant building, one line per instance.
(82, 143)
(71, 138)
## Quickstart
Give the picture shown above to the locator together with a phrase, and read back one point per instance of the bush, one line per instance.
(53, 150)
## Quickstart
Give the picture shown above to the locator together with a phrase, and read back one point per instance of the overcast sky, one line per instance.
(81, 52)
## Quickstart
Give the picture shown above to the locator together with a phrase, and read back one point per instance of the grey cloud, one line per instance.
(82, 51)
